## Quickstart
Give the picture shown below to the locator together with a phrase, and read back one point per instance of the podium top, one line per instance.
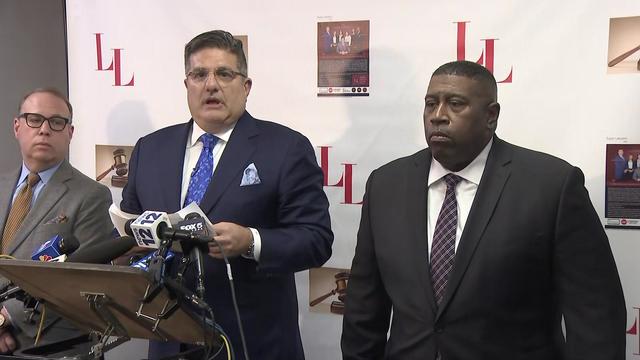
(64, 287)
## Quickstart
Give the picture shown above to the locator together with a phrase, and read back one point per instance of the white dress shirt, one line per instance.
(465, 192)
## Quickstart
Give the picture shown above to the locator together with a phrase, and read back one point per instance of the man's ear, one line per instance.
(247, 86)
(493, 111)
(16, 126)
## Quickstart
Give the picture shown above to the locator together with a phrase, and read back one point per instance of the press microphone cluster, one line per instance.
(152, 228)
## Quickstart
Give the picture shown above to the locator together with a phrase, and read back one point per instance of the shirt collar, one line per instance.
(45, 175)
(471, 173)
(196, 132)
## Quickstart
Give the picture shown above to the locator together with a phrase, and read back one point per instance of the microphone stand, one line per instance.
(195, 255)
(157, 270)
(11, 293)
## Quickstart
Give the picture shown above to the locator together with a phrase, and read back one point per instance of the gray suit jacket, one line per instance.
(84, 202)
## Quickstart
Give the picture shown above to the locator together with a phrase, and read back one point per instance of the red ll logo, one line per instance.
(115, 66)
(346, 180)
(486, 57)
(633, 330)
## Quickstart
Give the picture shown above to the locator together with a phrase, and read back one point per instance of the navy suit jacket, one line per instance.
(288, 208)
(532, 252)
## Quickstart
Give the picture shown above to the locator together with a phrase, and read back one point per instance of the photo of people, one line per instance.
(343, 58)
(622, 209)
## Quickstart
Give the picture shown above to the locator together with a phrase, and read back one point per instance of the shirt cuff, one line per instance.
(257, 245)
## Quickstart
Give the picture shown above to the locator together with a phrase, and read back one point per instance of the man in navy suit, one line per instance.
(477, 249)
(270, 224)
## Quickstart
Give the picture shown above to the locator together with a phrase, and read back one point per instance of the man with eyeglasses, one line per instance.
(260, 185)
(45, 197)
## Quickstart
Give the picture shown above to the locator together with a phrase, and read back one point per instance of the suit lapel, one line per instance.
(233, 161)
(48, 197)
(492, 183)
(416, 200)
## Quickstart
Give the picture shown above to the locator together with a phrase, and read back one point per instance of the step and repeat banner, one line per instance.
(352, 77)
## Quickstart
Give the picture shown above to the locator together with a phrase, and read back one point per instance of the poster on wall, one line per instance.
(112, 167)
(328, 290)
(622, 186)
(343, 58)
(245, 45)
(624, 45)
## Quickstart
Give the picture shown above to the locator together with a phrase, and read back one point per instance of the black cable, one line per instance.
(233, 298)
(204, 334)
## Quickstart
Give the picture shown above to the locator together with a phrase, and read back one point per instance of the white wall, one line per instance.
(561, 100)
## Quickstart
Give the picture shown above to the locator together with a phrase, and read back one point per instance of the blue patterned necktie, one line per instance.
(201, 175)
(443, 247)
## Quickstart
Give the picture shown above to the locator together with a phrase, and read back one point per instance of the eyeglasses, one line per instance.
(56, 123)
(222, 75)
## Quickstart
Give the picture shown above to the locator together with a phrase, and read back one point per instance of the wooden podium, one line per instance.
(108, 299)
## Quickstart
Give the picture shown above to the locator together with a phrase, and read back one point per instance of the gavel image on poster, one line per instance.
(337, 307)
(619, 59)
(120, 165)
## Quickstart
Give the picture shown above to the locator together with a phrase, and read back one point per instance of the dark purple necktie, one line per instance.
(444, 239)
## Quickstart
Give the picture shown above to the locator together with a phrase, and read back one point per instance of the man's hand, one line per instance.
(7, 342)
(234, 239)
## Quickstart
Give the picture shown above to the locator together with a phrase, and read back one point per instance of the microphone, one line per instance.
(152, 228)
(104, 251)
(186, 293)
(56, 249)
(195, 224)
(147, 228)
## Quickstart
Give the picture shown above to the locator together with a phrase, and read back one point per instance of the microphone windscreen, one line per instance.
(69, 245)
(103, 252)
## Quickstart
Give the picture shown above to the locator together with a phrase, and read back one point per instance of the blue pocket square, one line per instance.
(250, 176)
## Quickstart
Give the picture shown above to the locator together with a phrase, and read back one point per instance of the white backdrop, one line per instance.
(561, 100)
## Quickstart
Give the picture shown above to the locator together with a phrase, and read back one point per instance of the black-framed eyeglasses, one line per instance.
(34, 120)
(222, 75)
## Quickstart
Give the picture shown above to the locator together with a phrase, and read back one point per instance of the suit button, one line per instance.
(439, 330)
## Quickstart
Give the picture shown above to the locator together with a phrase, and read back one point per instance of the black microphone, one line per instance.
(196, 227)
(103, 252)
(164, 232)
(195, 224)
